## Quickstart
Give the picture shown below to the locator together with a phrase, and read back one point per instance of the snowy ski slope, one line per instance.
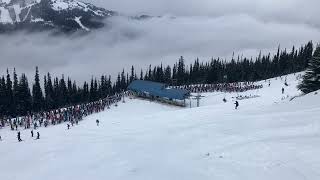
(269, 137)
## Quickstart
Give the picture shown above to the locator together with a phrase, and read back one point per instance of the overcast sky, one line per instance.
(285, 11)
(201, 28)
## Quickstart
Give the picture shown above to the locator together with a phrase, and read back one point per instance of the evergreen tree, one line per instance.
(127, 81)
(75, 95)
(24, 99)
(62, 92)
(117, 85)
(95, 91)
(149, 73)
(311, 79)
(15, 90)
(103, 87)
(49, 93)
(3, 90)
(69, 92)
(9, 96)
(174, 72)
(132, 76)
(37, 96)
(167, 75)
(123, 81)
(181, 71)
(85, 93)
(92, 90)
(109, 86)
(56, 92)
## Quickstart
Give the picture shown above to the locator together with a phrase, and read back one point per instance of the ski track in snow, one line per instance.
(17, 11)
(269, 137)
(78, 20)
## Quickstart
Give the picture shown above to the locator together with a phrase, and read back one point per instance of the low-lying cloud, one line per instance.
(129, 42)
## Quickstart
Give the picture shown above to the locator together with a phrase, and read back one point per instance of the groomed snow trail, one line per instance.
(269, 137)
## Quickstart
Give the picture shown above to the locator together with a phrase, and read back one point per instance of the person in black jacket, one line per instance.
(38, 135)
(237, 104)
(19, 137)
(224, 100)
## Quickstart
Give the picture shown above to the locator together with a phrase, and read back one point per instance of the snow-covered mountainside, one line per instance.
(66, 15)
(271, 136)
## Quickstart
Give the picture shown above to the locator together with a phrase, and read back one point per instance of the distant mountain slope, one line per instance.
(65, 15)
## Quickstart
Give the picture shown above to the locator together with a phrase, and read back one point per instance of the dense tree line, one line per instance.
(16, 98)
(238, 69)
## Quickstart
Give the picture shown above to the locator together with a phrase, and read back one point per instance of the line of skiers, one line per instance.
(38, 134)
(72, 114)
(224, 87)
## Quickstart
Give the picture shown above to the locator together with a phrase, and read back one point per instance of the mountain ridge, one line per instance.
(65, 15)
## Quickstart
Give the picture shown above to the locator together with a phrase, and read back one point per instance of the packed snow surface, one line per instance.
(5, 16)
(59, 5)
(268, 137)
(17, 11)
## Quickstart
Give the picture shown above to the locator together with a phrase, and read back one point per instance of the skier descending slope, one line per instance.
(224, 100)
(38, 135)
(237, 104)
(97, 121)
(19, 137)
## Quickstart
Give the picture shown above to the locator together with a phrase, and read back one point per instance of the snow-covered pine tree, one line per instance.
(311, 79)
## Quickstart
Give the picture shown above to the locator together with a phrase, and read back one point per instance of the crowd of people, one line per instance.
(224, 87)
(242, 97)
(72, 115)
